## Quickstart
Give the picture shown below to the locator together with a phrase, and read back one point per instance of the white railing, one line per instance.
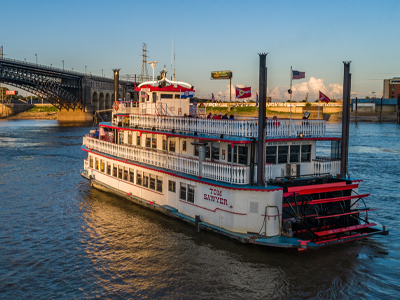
(245, 127)
(212, 170)
(322, 165)
(227, 173)
(267, 172)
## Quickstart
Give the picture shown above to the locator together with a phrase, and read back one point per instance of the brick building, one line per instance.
(391, 87)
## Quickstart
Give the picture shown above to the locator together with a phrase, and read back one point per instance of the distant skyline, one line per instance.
(311, 36)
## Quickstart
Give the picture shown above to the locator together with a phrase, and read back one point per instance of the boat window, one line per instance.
(120, 172)
(115, 170)
(305, 153)
(154, 142)
(145, 179)
(243, 153)
(184, 146)
(190, 197)
(294, 153)
(183, 191)
(90, 161)
(108, 168)
(131, 175)
(172, 186)
(101, 165)
(159, 184)
(283, 154)
(172, 146)
(96, 166)
(335, 149)
(167, 96)
(234, 154)
(215, 151)
(270, 155)
(148, 142)
(177, 96)
(126, 173)
(130, 137)
(138, 140)
(139, 178)
(164, 144)
(154, 97)
(152, 181)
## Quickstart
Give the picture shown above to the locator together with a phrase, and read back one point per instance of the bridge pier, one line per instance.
(75, 116)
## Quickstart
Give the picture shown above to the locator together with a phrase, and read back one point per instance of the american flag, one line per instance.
(144, 95)
(298, 75)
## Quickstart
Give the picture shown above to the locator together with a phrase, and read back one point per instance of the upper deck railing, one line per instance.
(243, 127)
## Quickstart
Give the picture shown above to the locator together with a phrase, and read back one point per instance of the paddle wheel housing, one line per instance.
(325, 210)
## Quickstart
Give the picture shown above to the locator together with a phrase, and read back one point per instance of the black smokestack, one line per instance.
(261, 119)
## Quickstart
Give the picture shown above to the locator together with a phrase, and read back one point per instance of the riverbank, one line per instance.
(32, 115)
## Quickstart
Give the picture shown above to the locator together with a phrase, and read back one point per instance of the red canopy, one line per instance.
(169, 88)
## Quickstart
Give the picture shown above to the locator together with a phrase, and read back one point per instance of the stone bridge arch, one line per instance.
(95, 101)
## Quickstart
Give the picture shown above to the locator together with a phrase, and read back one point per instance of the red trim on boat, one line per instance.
(328, 189)
(317, 186)
(344, 229)
(328, 200)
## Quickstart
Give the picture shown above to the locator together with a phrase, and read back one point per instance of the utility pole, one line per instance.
(63, 64)
(144, 73)
(36, 58)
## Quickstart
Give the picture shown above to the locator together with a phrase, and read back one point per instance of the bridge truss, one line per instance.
(60, 88)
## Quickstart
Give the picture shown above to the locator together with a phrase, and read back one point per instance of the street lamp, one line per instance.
(63, 64)
(36, 58)
(101, 72)
(153, 64)
(85, 70)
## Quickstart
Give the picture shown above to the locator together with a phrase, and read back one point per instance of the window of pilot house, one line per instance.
(126, 173)
(96, 163)
(146, 179)
(184, 146)
(177, 96)
(108, 168)
(294, 154)
(283, 154)
(167, 96)
(120, 172)
(101, 165)
(154, 142)
(159, 184)
(131, 175)
(115, 170)
(164, 143)
(190, 196)
(183, 192)
(138, 140)
(139, 178)
(305, 153)
(270, 155)
(172, 146)
(172, 186)
(148, 142)
(152, 181)
(90, 161)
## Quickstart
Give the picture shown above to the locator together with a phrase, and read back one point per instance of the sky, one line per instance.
(310, 36)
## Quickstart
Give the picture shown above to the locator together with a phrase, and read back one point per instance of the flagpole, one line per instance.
(290, 100)
(235, 102)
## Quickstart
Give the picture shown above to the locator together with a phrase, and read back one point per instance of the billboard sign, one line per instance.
(221, 75)
(12, 93)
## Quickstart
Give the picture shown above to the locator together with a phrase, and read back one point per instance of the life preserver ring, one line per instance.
(116, 105)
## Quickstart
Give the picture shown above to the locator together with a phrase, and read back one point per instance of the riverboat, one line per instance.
(164, 153)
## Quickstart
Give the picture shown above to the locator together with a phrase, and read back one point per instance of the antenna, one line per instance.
(174, 65)
(144, 72)
(171, 55)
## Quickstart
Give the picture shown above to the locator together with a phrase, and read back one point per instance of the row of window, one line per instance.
(285, 153)
(147, 180)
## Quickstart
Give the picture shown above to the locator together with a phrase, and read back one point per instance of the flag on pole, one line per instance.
(256, 99)
(298, 75)
(243, 92)
(323, 97)
(212, 98)
(187, 94)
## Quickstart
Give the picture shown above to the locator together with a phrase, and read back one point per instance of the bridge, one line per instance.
(73, 93)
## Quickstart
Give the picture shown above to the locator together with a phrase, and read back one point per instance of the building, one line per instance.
(391, 87)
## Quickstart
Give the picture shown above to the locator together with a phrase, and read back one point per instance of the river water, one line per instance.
(60, 238)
